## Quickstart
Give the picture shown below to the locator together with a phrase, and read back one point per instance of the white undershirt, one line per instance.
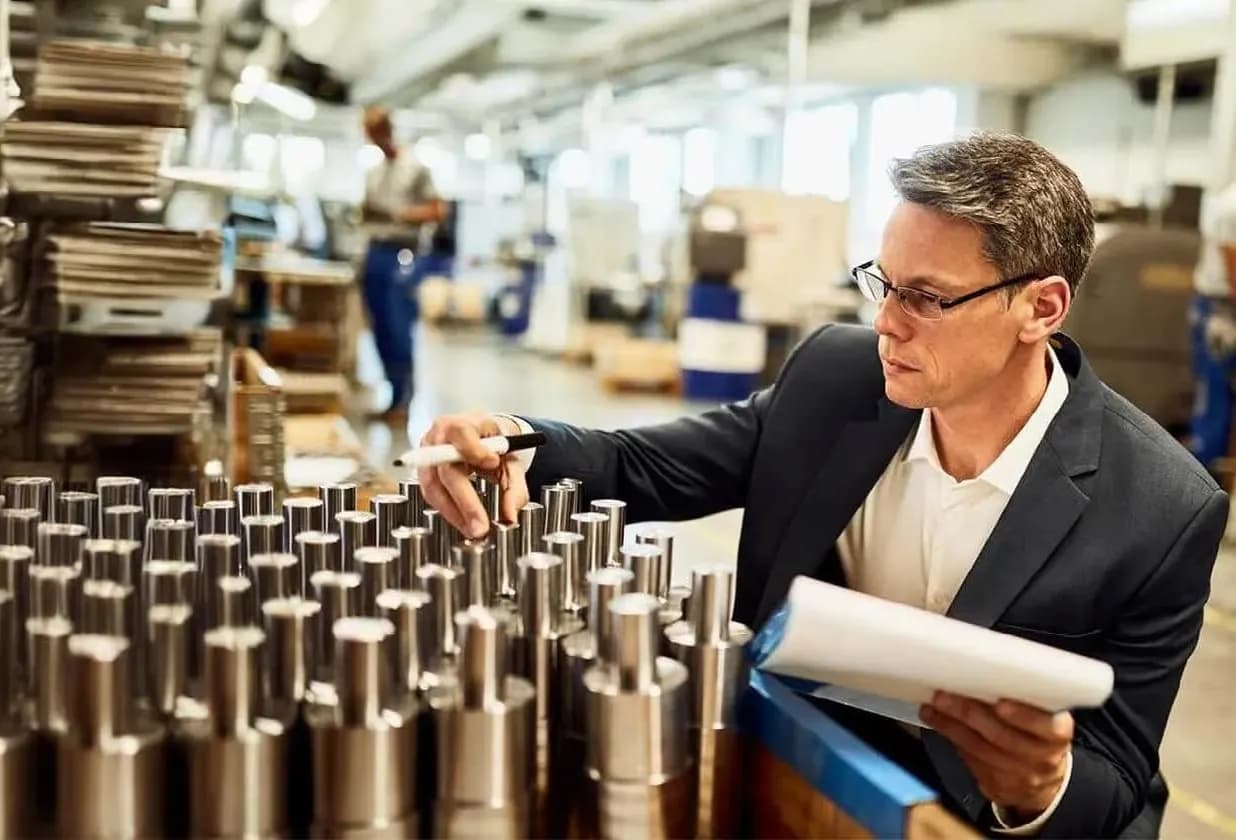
(919, 531)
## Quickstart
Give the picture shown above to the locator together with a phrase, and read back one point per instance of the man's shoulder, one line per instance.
(1159, 464)
(842, 343)
(834, 355)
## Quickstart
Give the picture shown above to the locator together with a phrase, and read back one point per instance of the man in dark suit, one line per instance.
(963, 458)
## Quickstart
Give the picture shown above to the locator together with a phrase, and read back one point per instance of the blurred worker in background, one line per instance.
(1213, 323)
(401, 209)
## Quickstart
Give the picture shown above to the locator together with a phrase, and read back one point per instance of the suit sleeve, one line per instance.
(684, 469)
(1115, 748)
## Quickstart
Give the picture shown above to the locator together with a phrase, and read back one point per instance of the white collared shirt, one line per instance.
(919, 531)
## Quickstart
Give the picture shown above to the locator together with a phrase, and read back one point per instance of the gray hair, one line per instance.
(1034, 214)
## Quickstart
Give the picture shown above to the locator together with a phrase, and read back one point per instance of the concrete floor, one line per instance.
(464, 371)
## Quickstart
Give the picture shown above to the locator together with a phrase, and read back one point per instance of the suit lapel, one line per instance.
(853, 465)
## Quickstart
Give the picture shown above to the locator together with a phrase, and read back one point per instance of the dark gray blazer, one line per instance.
(1106, 547)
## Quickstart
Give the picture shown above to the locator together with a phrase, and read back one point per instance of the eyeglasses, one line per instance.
(918, 302)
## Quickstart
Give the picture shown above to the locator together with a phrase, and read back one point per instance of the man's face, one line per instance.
(380, 133)
(929, 364)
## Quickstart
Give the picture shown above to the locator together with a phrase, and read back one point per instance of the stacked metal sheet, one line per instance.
(111, 82)
(106, 260)
(133, 385)
(80, 159)
(16, 361)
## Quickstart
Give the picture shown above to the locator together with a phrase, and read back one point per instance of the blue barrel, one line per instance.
(721, 356)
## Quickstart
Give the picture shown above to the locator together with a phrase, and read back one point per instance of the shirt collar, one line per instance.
(1010, 465)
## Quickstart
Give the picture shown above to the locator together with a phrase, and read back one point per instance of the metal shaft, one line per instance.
(20, 526)
(634, 644)
(55, 592)
(116, 490)
(167, 632)
(391, 511)
(490, 494)
(275, 576)
(10, 673)
(617, 512)
(15, 561)
(261, 534)
(48, 640)
(218, 517)
(440, 583)
(168, 582)
(569, 546)
(98, 707)
(645, 562)
(34, 492)
(357, 529)
(477, 559)
(436, 526)
(410, 488)
(291, 631)
(662, 538)
(300, 515)
(377, 569)
(413, 546)
(232, 686)
(106, 608)
(254, 500)
(531, 527)
(218, 555)
(336, 498)
(124, 522)
(576, 488)
(591, 526)
(60, 544)
(170, 539)
(556, 500)
(173, 503)
(78, 508)
(318, 552)
(408, 610)
(339, 595)
(362, 669)
(234, 604)
(506, 553)
(215, 487)
(116, 560)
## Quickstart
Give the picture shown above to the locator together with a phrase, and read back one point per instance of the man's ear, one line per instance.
(1048, 301)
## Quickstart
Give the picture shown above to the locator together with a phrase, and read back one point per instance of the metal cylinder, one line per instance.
(300, 515)
(537, 656)
(712, 649)
(407, 610)
(490, 494)
(15, 562)
(571, 499)
(234, 603)
(218, 555)
(318, 552)
(391, 511)
(168, 582)
(237, 769)
(484, 723)
(336, 498)
(556, 500)
(78, 508)
(364, 744)
(20, 526)
(531, 527)
(109, 771)
(638, 756)
(170, 539)
(60, 544)
(338, 593)
(167, 660)
(254, 500)
(215, 487)
(410, 488)
(616, 510)
(477, 560)
(176, 503)
(111, 609)
(55, 592)
(117, 491)
(441, 584)
(576, 488)
(662, 538)
(30, 492)
(291, 631)
(17, 755)
(413, 547)
(591, 526)
(439, 541)
(357, 529)
(48, 652)
(218, 517)
(115, 560)
(569, 546)
(124, 522)
(506, 553)
(378, 572)
(274, 576)
(645, 562)
(261, 534)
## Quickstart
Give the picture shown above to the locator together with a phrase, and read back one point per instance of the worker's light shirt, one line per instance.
(1218, 227)
(393, 185)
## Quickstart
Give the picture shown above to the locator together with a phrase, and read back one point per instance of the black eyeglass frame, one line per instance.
(943, 302)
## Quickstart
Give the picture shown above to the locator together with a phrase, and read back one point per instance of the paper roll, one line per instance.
(837, 638)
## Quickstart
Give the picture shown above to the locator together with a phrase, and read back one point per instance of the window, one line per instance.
(699, 156)
(656, 170)
(900, 123)
(817, 151)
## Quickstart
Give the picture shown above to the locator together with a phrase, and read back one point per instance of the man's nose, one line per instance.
(891, 319)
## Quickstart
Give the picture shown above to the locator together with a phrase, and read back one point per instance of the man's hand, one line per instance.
(447, 487)
(1017, 753)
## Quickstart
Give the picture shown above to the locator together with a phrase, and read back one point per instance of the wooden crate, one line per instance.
(256, 416)
(628, 364)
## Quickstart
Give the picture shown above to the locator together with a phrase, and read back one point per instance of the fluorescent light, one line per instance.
(287, 101)
(477, 146)
(1160, 14)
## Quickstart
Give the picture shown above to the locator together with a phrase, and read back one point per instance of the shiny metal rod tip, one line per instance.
(633, 647)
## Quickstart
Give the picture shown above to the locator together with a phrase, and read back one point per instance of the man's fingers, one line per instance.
(466, 435)
(982, 718)
(968, 741)
(515, 493)
(1056, 727)
(470, 515)
(437, 497)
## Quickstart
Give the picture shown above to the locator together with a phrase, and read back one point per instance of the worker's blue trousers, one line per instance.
(389, 288)
(1213, 375)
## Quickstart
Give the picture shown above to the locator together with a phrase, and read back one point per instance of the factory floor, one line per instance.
(461, 371)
